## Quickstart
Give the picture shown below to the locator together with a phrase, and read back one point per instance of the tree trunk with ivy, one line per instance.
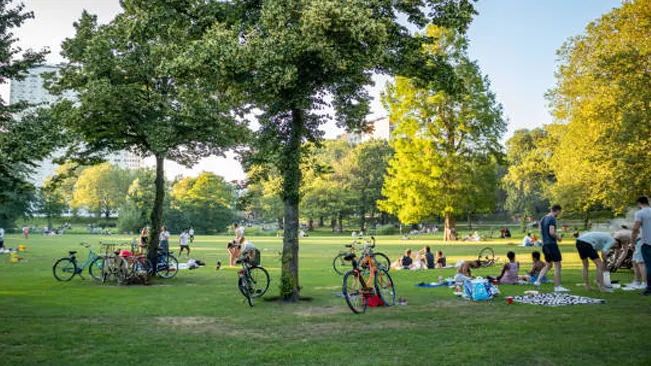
(291, 172)
(157, 211)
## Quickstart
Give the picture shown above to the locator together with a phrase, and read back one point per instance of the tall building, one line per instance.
(381, 129)
(31, 90)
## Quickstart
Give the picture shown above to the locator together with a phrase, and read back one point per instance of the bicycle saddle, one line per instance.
(72, 252)
(349, 256)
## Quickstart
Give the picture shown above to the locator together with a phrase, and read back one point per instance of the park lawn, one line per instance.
(199, 317)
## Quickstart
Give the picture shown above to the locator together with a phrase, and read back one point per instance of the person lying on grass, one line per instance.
(464, 273)
(536, 268)
(588, 245)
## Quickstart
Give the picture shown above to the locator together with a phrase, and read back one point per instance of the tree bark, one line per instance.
(340, 218)
(469, 220)
(321, 221)
(311, 228)
(450, 224)
(157, 211)
(333, 224)
(586, 221)
(290, 169)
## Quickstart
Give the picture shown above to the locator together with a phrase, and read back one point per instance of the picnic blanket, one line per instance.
(556, 299)
(435, 284)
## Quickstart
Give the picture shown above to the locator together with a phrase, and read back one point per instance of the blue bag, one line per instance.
(478, 289)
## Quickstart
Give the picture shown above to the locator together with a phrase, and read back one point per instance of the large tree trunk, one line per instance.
(157, 211)
(290, 169)
(362, 220)
(450, 225)
(470, 220)
(340, 219)
(586, 221)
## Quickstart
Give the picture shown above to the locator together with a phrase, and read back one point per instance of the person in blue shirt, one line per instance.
(552, 252)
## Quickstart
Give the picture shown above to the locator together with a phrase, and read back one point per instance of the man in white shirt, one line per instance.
(183, 242)
(642, 227)
(2, 238)
(191, 232)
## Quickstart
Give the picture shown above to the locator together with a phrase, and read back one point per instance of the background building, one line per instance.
(31, 90)
(381, 129)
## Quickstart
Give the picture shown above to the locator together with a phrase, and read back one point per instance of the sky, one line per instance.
(514, 41)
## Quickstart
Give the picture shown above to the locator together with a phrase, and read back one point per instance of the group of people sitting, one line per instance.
(510, 273)
(472, 237)
(424, 260)
(530, 240)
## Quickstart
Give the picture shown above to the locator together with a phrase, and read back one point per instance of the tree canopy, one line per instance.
(446, 142)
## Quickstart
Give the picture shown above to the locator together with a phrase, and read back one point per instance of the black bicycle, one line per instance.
(253, 281)
(486, 257)
(167, 266)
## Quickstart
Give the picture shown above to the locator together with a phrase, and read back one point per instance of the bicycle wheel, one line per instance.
(243, 285)
(115, 268)
(486, 257)
(64, 269)
(95, 268)
(168, 266)
(340, 265)
(259, 281)
(141, 267)
(382, 261)
(353, 289)
(385, 287)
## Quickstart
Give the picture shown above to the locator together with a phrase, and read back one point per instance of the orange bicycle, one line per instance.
(365, 280)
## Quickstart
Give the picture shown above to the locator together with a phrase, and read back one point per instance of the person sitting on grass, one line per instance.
(509, 274)
(406, 261)
(535, 241)
(537, 266)
(588, 245)
(429, 258)
(440, 260)
(526, 242)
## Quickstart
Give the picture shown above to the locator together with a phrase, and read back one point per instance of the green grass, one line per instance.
(200, 317)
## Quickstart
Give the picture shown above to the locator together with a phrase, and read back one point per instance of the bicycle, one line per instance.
(167, 266)
(340, 265)
(486, 257)
(66, 268)
(253, 280)
(358, 290)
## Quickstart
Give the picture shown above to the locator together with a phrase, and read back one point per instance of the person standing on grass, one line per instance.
(26, 232)
(588, 245)
(2, 238)
(191, 232)
(183, 243)
(550, 248)
(164, 238)
(643, 222)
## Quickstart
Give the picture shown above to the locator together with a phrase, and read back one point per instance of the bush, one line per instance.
(388, 229)
(130, 219)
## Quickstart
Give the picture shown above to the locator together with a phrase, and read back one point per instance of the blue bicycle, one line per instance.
(66, 268)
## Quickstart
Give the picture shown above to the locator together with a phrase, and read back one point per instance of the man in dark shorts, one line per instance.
(550, 248)
(588, 245)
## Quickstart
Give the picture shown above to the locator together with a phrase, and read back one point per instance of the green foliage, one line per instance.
(102, 189)
(446, 144)
(135, 91)
(388, 229)
(205, 201)
(601, 102)
(530, 176)
(25, 136)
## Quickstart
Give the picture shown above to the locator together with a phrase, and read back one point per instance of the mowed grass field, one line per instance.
(199, 317)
